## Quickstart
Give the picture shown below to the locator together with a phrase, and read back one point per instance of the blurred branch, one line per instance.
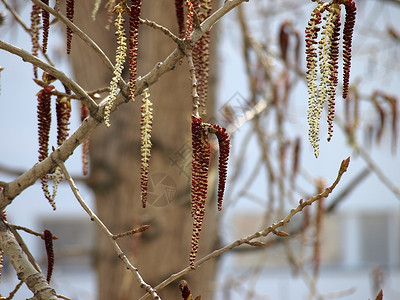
(393, 1)
(370, 162)
(10, 171)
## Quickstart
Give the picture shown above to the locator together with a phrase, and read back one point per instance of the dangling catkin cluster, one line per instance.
(201, 148)
(200, 163)
(44, 122)
(328, 56)
(119, 61)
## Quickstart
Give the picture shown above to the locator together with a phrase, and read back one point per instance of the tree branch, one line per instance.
(25, 270)
(15, 187)
(273, 228)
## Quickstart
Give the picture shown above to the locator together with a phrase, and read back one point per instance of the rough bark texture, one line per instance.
(115, 165)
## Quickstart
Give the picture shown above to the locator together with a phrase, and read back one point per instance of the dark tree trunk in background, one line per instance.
(115, 166)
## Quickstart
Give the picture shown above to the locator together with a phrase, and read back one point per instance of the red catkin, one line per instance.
(48, 241)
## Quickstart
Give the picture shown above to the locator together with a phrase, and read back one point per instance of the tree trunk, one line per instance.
(115, 166)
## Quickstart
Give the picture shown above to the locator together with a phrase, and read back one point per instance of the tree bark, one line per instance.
(115, 166)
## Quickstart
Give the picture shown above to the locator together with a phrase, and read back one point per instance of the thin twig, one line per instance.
(163, 29)
(107, 232)
(131, 232)
(302, 204)
(195, 95)
(30, 231)
(14, 291)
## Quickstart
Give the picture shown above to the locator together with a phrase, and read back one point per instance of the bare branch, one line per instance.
(107, 232)
(163, 29)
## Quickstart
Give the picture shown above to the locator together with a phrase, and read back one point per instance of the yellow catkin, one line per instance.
(145, 135)
(95, 9)
(119, 62)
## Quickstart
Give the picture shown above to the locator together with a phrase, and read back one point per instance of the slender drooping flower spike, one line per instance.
(328, 63)
(48, 241)
(46, 26)
(200, 164)
(314, 106)
(179, 8)
(146, 124)
(95, 9)
(85, 143)
(63, 112)
(189, 19)
(224, 147)
(119, 61)
(70, 16)
(134, 22)
(35, 22)
(348, 29)
(44, 121)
